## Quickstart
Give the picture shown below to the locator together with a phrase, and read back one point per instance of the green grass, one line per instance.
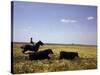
(87, 60)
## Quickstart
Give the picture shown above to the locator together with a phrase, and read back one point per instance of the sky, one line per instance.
(54, 23)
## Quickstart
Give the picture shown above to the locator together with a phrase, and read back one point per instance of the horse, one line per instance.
(40, 55)
(68, 55)
(32, 48)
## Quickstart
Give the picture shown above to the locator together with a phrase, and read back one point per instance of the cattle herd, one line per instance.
(34, 54)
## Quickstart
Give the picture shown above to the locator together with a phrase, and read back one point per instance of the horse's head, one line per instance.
(40, 43)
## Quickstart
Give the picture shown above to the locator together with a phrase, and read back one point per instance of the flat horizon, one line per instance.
(60, 43)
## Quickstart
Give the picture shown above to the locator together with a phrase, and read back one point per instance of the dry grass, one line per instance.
(87, 60)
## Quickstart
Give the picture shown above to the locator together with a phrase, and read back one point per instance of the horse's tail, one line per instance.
(22, 47)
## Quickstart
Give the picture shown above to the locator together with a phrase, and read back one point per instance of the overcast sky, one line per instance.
(55, 23)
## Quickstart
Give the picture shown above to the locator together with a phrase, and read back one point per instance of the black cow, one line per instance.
(40, 55)
(68, 55)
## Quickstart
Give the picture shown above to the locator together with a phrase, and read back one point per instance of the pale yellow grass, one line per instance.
(87, 60)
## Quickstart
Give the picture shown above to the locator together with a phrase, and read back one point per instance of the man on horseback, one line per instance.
(31, 41)
(32, 47)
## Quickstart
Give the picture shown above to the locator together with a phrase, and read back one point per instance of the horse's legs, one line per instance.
(48, 57)
(24, 50)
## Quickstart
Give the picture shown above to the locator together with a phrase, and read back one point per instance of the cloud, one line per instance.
(90, 18)
(27, 29)
(68, 21)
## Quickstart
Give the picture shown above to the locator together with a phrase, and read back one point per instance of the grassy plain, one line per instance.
(87, 60)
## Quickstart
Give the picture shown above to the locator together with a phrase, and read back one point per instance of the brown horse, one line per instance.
(34, 48)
